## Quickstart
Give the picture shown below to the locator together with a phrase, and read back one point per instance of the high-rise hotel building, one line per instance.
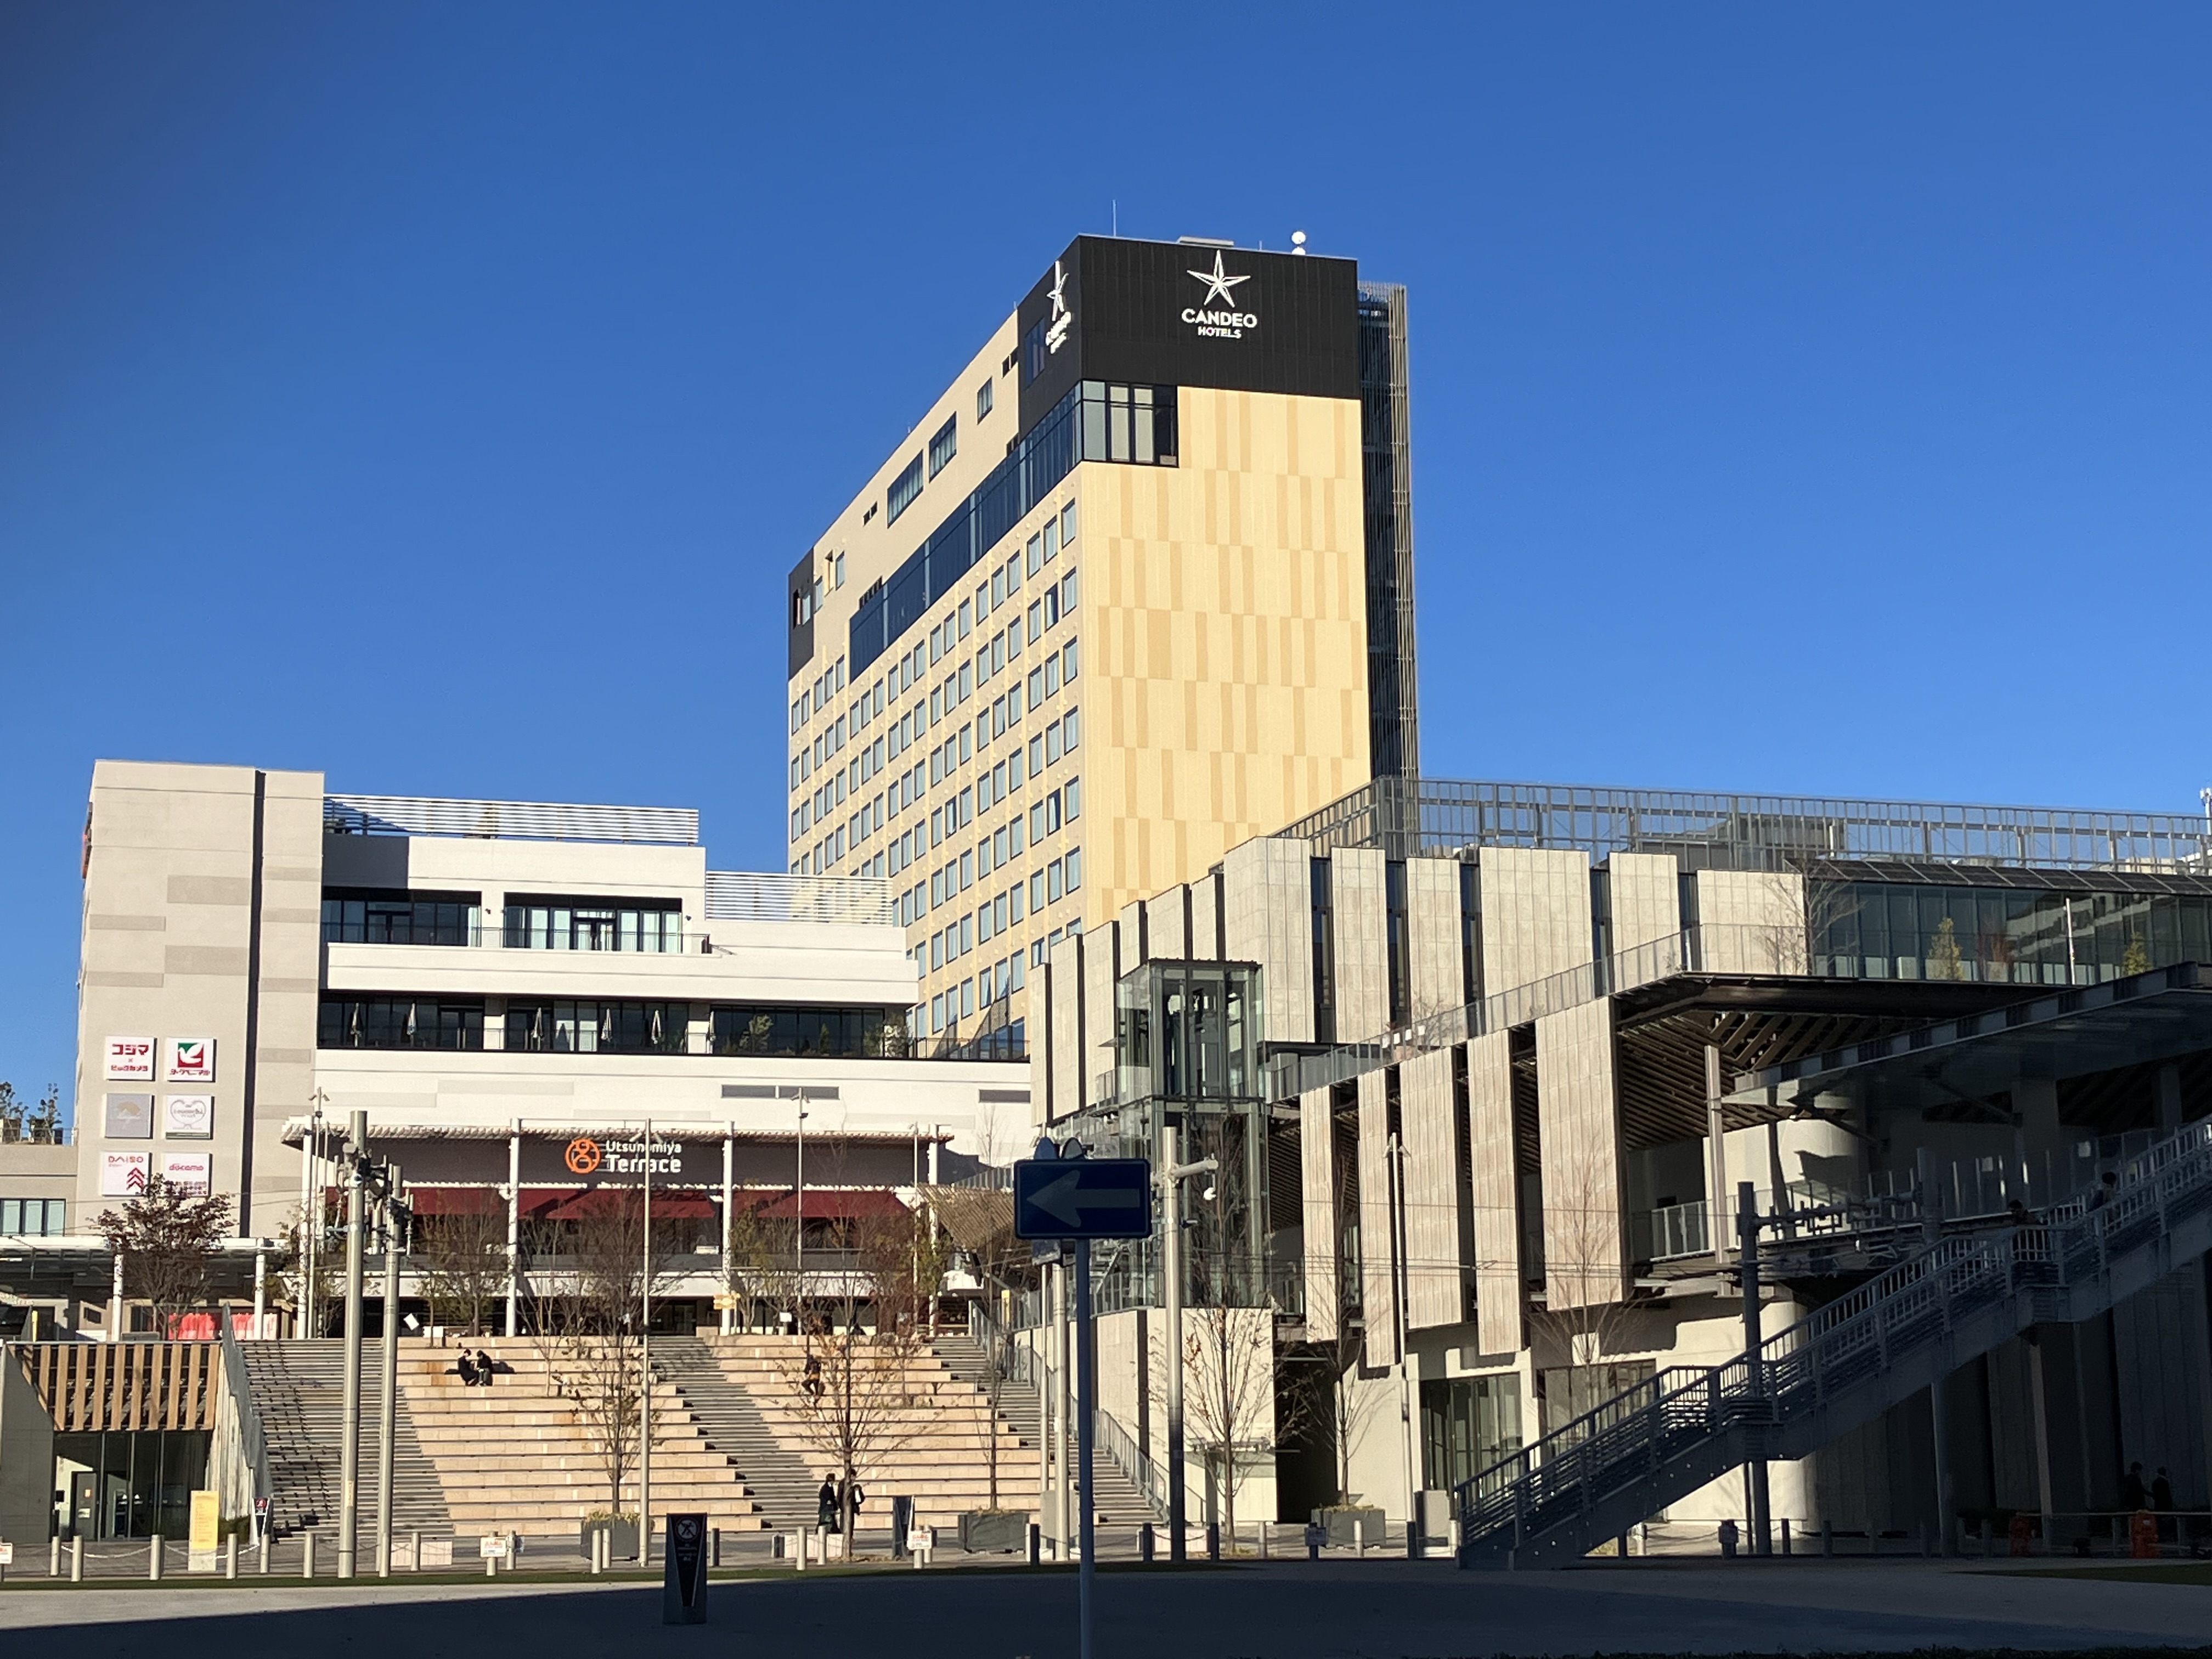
(1137, 587)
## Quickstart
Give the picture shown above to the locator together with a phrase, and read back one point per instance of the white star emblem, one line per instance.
(1218, 282)
(1059, 282)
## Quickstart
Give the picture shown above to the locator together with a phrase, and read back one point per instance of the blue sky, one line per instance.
(1806, 398)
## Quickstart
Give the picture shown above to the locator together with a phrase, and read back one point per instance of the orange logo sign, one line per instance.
(583, 1155)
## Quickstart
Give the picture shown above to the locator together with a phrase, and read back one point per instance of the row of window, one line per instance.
(993, 982)
(624, 1027)
(362, 917)
(1061, 667)
(827, 684)
(33, 1218)
(1016, 487)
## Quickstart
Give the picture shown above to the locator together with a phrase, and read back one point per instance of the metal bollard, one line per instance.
(714, 1557)
(1828, 1539)
(1145, 1542)
(1359, 1537)
(1785, 1536)
(491, 1566)
(1213, 1541)
(414, 1551)
(153, 1560)
(54, 1562)
(1036, 1543)
(230, 1556)
(262, 1548)
(1263, 1540)
(76, 1560)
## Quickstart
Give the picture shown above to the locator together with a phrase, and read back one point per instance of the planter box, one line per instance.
(622, 1542)
(986, 1532)
(1339, 1525)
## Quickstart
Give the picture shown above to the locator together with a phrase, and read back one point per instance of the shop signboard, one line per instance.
(124, 1175)
(188, 1117)
(191, 1060)
(130, 1060)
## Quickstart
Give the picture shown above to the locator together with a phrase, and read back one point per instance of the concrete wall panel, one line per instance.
(1379, 1303)
(1498, 1270)
(1269, 920)
(1433, 1296)
(1579, 1123)
(1432, 927)
(1363, 949)
(1535, 914)
(1318, 1192)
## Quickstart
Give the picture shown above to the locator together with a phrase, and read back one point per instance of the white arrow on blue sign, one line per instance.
(1083, 1198)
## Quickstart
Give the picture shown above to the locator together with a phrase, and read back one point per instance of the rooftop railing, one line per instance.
(1411, 816)
(509, 820)
(744, 896)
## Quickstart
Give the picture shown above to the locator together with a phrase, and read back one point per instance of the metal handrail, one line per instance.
(254, 1443)
(1137, 1466)
(1859, 1335)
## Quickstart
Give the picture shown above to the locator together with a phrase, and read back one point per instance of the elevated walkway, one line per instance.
(1656, 1443)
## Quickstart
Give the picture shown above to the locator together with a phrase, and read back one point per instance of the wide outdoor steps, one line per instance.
(783, 1482)
(933, 1440)
(298, 1394)
(1116, 1498)
(520, 1456)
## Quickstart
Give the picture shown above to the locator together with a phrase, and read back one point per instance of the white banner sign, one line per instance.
(189, 1172)
(130, 1060)
(188, 1117)
(123, 1174)
(130, 1117)
(191, 1060)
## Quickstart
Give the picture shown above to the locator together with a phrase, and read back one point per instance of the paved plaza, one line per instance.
(1332, 1610)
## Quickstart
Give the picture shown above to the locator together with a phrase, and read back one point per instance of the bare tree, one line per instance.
(1229, 1391)
(1330, 1400)
(461, 1259)
(853, 1378)
(591, 1276)
(167, 1238)
(1584, 1316)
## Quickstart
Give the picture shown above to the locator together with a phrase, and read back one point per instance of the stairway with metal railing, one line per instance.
(298, 1394)
(1592, 1479)
(783, 1482)
(1118, 1499)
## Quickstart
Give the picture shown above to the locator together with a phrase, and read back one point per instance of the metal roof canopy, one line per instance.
(1756, 1020)
(2146, 1018)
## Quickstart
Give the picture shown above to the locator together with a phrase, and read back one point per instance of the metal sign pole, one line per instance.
(350, 1429)
(388, 1381)
(1085, 1355)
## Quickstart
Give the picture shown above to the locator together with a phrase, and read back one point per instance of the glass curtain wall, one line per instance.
(2020, 936)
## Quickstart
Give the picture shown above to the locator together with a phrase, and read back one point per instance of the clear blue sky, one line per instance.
(1805, 397)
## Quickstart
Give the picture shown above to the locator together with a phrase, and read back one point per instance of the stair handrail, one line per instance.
(1137, 1466)
(253, 1445)
(1995, 1264)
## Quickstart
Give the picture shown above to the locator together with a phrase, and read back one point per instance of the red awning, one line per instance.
(609, 1200)
(830, 1203)
(456, 1200)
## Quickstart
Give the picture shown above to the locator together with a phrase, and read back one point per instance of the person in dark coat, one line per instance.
(2132, 1495)
(825, 1504)
(466, 1367)
(484, 1368)
(2161, 1491)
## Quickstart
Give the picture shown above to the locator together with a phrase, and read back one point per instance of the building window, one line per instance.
(784, 1032)
(1324, 952)
(1131, 424)
(33, 1217)
(1395, 941)
(944, 444)
(903, 490)
(367, 916)
(564, 924)
(983, 400)
(1074, 795)
(398, 1023)
(1067, 525)
(597, 1027)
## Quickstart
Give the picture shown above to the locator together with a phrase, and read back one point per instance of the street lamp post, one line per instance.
(645, 1366)
(388, 1400)
(1172, 1176)
(350, 1436)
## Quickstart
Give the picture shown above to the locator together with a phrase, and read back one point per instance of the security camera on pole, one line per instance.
(1063, 1194)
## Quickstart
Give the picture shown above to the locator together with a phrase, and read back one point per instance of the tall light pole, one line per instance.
(1172, 1176)
(645, 1367)
(349, 1437)
(799, 1232)
(388, 1391)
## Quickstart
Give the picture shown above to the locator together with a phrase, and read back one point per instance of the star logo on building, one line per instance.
(1218, 282)
(1059, 282)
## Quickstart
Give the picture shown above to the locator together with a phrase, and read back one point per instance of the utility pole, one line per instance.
(1931, 1234)
(1755, 1495)
(1065, 1390)
(1172, 1176)
(645, 1367)
(349, 1441)
(388, 1390)
(1401, 1276)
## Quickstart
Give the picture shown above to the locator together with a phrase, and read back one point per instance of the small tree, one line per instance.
(461, 1259)
(167, 1238)
(1333, 1402)
(588, 1288)
(1585, 1314)
(1229, 1390)
(288, 1267)
(856, 1392)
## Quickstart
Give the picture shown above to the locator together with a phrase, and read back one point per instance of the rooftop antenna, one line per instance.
(1116, 212)
(1298, 241)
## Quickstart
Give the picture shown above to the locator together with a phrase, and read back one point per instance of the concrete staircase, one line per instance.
(782, 1481)
(298, 1394)
(1117, 1499)
(518, 1456)
(936, 1445)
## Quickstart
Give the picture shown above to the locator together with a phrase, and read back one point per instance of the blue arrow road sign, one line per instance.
(1083, 1198)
